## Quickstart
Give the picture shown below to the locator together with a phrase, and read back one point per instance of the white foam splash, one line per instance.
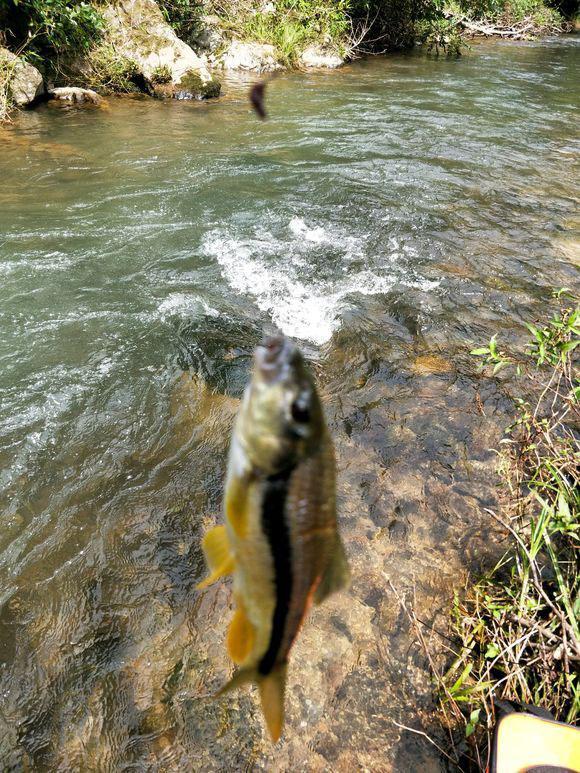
(284, 276)
(184, 304)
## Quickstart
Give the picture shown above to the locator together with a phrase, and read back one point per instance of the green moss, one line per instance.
(212, 89)
(192, 83)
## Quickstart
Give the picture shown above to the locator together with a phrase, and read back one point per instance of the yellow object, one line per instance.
(525, 743)
(216, 549)
(272, 689)
(240, 636)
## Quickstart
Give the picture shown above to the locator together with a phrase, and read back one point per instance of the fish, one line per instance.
(280, 540)
(257, 93)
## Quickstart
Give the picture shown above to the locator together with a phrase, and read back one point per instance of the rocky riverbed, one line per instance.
(145, 249)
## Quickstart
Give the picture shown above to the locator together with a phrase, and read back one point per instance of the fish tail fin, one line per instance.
(216, 549)
(272, 689)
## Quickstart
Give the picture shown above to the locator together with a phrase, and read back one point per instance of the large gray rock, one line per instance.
(318, 56)
(253, 57)
(74, 94)
(25, 82)
(138, 31)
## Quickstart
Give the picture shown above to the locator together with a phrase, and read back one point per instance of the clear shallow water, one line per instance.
(388, 216)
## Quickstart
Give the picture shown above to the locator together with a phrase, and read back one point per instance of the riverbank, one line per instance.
(182, 48)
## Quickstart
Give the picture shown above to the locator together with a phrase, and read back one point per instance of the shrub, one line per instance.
(511, 12)
(161, 74)
(392, 24)
(184, 16)
(6, 71)
(289, 25)
(110, 71)
(50, 29)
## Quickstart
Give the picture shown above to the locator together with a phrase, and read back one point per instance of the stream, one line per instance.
(389, 216)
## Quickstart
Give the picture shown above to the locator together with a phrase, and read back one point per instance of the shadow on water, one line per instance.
(139, 271)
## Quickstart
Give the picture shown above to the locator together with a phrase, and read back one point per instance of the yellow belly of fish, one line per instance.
(254, 587)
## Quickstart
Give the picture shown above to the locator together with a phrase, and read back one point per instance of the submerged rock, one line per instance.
(75, 94)
(254, 57)
(138, 32)
(25, 81)
(318, 56)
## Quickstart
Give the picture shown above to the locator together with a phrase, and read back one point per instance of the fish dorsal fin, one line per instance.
(216, 549)
(241, 636)
(272, 689)
(336, 575)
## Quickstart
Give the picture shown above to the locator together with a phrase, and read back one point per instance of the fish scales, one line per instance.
(280, 539)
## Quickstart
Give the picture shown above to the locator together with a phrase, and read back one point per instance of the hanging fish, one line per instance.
(280, 538)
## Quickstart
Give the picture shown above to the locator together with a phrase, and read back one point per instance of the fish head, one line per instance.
(281, 420)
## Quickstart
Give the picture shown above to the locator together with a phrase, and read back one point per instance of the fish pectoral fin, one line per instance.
(336, 575)
(241, 636)
(272, 689)
(216, 549)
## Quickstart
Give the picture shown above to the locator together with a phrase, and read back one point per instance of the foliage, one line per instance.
(110, 71)
(519, 626)
(161, 74)
(391, 24)
(288, 25)
(50, 28)
(6, 72)
(539, 16)
(440, 34)
(184, 16)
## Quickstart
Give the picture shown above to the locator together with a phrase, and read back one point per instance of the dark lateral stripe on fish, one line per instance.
(278, 535)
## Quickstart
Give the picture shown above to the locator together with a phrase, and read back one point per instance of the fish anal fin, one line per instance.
(216, 549)
(241, 636)
(336, 575)
(272, 689)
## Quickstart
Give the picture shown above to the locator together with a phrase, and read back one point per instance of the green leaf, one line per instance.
(462, 677)
(534, 331)
(478, 352)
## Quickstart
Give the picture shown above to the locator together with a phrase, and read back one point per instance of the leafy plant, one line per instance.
(161, 74)
(110, 71)
(441, 34)
(6, 73)
(50, 28)
(185, 16)
(519, 626)
(288, 25)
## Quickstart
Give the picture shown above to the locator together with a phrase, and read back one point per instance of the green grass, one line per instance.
(109, 71)
(289, 26)
(518, 627)
(6, 72)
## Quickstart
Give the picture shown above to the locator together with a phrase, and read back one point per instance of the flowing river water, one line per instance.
(389, 216)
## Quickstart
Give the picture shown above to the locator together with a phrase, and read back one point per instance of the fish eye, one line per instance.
(300, 411)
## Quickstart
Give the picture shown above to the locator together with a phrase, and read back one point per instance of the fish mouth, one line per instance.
(274, 357)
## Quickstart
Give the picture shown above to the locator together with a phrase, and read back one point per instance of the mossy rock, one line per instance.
(192, 86)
